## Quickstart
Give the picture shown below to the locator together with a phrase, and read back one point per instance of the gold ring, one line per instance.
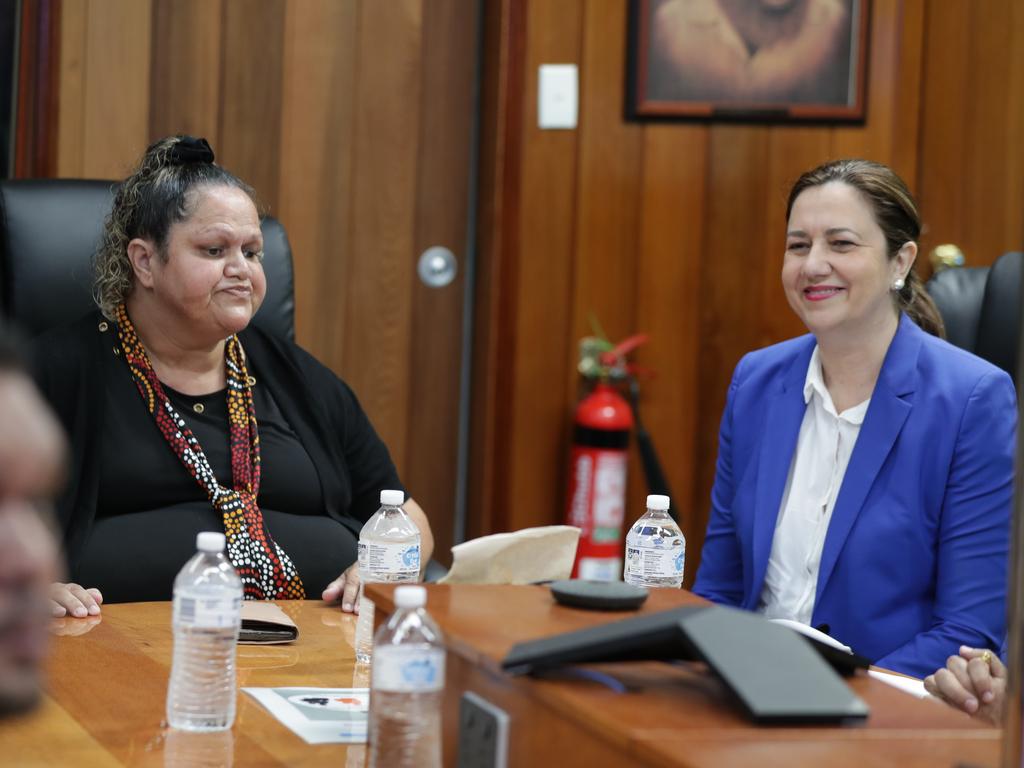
(986, 656)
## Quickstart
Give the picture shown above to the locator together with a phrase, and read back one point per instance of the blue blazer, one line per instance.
(915, 558)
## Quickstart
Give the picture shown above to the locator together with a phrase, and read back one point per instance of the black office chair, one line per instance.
(980, 307)
(49, 230)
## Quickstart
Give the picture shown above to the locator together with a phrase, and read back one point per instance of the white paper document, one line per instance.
(319, 715)
(814, 634)
(910, 685)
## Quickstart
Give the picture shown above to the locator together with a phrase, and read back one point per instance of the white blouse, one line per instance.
(816, 474)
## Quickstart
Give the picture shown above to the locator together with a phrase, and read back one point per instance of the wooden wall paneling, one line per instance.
(994, 209)
(890, 133)
(252, 53)
(946, 80)
(731, 286)
(541, 358)
(447, 115)
(971, 166)
(186, 69)
(1014, 149)
(71, 97)
(376, 354)
(669, 254)
(872, 140)
(609, 181)
(494, 309)
(317, 129)
(907, 77)
(115, 124)
(38, 70)
(609, 190)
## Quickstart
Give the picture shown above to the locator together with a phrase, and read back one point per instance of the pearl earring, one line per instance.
(897, 284)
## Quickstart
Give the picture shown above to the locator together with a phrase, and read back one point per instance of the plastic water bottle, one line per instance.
(655, 548)
(407, 687)
(207, 616)
(389, 551)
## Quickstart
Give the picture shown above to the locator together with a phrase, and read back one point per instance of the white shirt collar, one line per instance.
(815, 384)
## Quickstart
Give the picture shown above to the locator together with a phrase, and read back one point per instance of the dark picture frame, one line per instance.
(750, 60)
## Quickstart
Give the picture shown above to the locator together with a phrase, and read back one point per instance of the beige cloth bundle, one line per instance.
(522, 557)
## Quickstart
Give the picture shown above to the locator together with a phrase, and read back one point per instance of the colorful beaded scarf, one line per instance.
(266, 571)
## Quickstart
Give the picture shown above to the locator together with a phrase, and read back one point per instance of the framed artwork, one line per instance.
(759, 60)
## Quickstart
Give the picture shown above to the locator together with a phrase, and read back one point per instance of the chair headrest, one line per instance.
(958, 294)
(999, 324)
(49, 231)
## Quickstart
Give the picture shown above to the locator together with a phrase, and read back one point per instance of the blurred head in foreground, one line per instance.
(31, 462)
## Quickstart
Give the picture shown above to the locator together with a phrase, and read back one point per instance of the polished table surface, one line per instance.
(108, 682)
(669, 715)
(108, 679)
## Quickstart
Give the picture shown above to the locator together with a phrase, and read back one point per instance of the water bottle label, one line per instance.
(393, 560)
(600, 568)
(408, 669)
(203, 612)
(655, 562)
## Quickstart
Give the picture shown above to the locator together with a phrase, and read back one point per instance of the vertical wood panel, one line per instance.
(71, 108)
(994, 110)
(115, 125)
(731, 282)
(609, 181)
(907, 96)
(873, 140)
(672, 209)
(495, 290)
(376, 350)
(541, 352)
(944, 129)
(971, 174)
(186, 69)
(252, 52)
(449, 37)
(317, 123)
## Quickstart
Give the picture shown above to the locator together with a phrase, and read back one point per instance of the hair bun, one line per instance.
(190, 150)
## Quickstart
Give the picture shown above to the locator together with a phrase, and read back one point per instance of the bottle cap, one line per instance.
(392, 498)
(658, 502)
(410, 596)
(210, 541)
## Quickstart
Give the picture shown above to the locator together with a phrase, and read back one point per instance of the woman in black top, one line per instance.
(183, 418)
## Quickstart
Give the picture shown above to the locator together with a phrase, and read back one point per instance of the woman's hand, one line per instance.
(345, 588)
(974, 681)
(74, 600)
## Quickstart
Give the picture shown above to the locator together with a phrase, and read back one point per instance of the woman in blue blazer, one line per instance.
(865, 471)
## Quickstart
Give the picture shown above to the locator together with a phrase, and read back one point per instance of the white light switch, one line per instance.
(557, 96)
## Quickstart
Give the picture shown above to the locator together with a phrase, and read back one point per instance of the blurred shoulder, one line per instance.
(72, 341)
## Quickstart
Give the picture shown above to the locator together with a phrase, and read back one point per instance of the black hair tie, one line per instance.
(191, 150)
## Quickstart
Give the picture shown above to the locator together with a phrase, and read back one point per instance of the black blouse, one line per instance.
(132, 511)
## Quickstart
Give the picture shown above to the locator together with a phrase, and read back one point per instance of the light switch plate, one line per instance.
(557, 96)
(483, 733)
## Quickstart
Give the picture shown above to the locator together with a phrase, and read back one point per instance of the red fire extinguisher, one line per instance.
(597, 486)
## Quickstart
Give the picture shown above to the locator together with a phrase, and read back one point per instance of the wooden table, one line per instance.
(108, 681)
(671, 715)
(108, 684)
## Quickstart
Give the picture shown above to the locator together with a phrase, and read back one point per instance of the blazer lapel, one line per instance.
(890, 405)
(786, 409)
